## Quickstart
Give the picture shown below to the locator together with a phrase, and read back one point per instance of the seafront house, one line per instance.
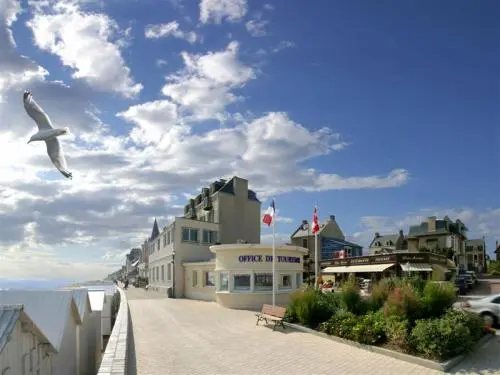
(475, 255)
(143, 260)
(24, 348)
(497, 250)
(331, 243)
(56, 314)
(132, 260)
(443, 237)
(388, 243)
(225, 212)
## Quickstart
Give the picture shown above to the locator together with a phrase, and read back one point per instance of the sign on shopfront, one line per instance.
(267, 258)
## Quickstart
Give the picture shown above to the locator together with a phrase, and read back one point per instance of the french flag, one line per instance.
(269, 215)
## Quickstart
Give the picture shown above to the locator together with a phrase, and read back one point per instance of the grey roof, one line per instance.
(81, 297)
(384, 238)
(477, 242)
(49, 309)
(441, 228)
(9, 314)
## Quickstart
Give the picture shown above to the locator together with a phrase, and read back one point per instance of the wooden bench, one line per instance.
(275, 314)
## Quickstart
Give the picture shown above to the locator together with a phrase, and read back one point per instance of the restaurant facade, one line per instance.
(426, 265)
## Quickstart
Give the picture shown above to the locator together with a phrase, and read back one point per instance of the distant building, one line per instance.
(225, 212)
(331, 243)
(442, 237)
(475, 255)
(24, 348)
(388, 243)
(497, 250)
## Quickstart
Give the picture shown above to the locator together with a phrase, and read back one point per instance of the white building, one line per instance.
(56, 314)
(96, 298)
(24, 349)
(226, 212)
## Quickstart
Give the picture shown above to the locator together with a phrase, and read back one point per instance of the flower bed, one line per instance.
(406, 315)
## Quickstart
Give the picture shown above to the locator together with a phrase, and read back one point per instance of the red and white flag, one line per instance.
(269, 215)
(315, 226)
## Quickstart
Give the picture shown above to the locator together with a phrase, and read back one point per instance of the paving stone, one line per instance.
(180, 336)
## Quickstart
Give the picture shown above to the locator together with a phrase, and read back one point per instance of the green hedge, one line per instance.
(408, 315)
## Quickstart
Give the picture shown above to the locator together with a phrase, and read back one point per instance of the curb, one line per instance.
(434, 365)
(114, 361)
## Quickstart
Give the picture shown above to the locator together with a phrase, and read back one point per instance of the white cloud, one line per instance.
(284, 44)
(256, 28)
(205, 86)
(217, 10)
(126, 174)
(169, 29)
(92, 50)
(279, 238)
(268, 6)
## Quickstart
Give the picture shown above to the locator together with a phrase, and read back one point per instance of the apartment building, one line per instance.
(475, 255)
(226, 212)
(388, 243)
(331, 243)
(441, 236)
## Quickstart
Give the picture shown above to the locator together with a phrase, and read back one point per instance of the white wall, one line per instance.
(18, 349)
(65, 362)
(106, 315)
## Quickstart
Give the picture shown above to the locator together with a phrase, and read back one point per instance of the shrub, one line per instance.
(403, 302)
(341, 324)
(445, 337)
(370, 329)
(468, 319)
(437, 298)
(311, 307)
(396, 331)
(380, 292)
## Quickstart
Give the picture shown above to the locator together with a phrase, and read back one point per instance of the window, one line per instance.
(190, 235)
(496, 300)
(286, 282)
(209, 278)
(168, 237)
(263, 281)
(169, 272)
(209, 236)
(162, 273)
(298, 280)
(195, 278)
(158, 245)
(223, 281)
(164, 239)
(241, 282)
(172, 236)
(185, 234)
(152, 247)
(304, 243)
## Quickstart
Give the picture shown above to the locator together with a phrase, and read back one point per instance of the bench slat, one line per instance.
(276, 311)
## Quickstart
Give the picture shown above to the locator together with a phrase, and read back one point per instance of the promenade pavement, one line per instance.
(186, 337)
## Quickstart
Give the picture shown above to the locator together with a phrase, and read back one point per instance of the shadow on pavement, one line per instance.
(483, 361)
(131, 358)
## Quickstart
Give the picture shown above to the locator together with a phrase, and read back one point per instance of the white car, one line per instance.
(488, 308)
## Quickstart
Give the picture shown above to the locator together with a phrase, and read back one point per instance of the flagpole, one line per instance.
(274, 259)
(316, 263)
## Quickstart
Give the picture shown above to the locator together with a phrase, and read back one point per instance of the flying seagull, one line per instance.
(47, 133)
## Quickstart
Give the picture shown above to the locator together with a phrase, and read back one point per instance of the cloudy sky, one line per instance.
(381, 113)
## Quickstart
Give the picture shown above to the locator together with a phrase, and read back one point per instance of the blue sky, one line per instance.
(314, 103)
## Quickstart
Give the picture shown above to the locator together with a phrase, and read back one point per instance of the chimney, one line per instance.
(401, 234)
(377, 234)
(331, 218)
(431, 223)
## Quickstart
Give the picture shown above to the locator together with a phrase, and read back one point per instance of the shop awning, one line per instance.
(416, 267)
(441, 268)
(358, 269)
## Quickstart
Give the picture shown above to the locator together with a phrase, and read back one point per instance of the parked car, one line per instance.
(473, 275)
(488, 308)
(468, 279)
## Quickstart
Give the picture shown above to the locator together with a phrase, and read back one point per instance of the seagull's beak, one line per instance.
(29, 141)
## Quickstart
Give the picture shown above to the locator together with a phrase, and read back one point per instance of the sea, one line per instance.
(6, 284)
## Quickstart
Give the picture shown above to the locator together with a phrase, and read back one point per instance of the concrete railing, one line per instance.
(114, 361)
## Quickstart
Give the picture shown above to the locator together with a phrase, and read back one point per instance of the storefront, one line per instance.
(375, 267)
(240, 276)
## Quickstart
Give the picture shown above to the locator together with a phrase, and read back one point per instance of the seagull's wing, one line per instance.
(36, 112)
(56, 155)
